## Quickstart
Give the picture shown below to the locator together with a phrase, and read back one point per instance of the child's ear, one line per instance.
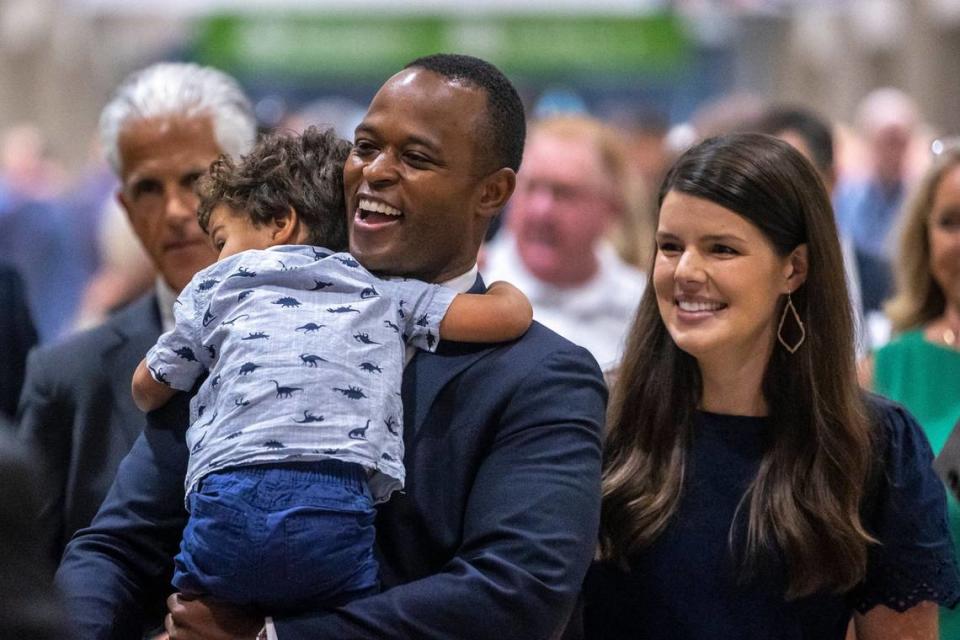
(286, 227)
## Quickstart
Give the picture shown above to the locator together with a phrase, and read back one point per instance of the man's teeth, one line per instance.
(699, 305)
(379, 207)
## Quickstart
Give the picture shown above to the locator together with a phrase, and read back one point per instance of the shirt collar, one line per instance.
(464, 282)
(166, 297)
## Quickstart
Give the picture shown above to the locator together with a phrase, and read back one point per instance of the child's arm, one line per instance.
(148, 394)
(502, 313)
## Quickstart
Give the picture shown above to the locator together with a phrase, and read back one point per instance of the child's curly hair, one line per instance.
(304, 172)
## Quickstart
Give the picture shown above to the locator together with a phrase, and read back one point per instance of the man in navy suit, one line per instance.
(161, 131)
(498, 522)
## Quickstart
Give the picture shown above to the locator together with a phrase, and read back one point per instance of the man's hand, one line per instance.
(199, 619)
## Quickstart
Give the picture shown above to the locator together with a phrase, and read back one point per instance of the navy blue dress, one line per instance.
(686, 586)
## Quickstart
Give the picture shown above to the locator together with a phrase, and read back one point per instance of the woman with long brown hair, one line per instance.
(750, 489)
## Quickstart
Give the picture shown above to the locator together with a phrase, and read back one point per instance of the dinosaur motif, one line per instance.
(431, 340)
(311, 360)
(389, 324)
(234, 319)
(320, 284)
(360, 433)
(354, 393)
(198, 444)
(391, 424)
(215, 382)
(422, 321)
(369, 292)
(285, 392)
(284, 267)
(400, 311)
(319, 255)
(287, 302)
(388, 457)
(200, 410)
(243, 294)
(308, 418)
(257, 335)
(212, 419)
(208, 317)
(364, 338)
(235, 434)
(348, 261)
(186, 353)
(274, 444)
(211, 351)
(329, 452)
(241, 401)
(343, 309)
(245, 368)
(242, 272)
(159, 375)
(310, 327)
(369, 367)
(209, 283)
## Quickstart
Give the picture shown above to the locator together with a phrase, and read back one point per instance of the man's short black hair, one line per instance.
(283, 171)
(814, 130)
(506, 127)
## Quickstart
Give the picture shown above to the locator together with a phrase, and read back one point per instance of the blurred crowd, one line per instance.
(577, 237)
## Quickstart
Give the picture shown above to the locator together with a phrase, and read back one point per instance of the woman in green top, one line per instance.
(920, 368)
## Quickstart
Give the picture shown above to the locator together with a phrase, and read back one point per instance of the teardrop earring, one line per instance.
(789, 308)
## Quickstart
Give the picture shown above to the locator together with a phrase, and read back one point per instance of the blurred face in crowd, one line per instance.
(161, 159)
(718, 282)
(888, 146)
(944, 236)
(563, 205)
(417, 189)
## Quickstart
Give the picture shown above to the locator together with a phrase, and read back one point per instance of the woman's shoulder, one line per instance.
(905, 511)
(895, 428)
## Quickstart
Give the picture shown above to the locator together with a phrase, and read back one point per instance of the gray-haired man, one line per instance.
(162, 129)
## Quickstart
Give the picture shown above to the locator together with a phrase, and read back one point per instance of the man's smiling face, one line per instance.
(415, 177)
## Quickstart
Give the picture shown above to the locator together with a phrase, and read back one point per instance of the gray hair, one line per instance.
(180, 89)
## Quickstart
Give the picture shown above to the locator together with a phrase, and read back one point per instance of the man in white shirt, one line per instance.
(573, 190)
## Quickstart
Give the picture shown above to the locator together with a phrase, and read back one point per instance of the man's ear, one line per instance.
(797, 267)
(496, 191)
(286, 228)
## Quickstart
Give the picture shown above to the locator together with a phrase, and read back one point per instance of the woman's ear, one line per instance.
(286, 227)
(797, 266)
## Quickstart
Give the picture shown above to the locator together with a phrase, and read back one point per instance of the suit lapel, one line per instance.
(136, 329)
(428, 373)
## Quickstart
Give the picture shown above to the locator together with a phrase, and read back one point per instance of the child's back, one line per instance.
(305, 353)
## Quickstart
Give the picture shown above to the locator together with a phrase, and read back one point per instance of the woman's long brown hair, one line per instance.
(804, 503)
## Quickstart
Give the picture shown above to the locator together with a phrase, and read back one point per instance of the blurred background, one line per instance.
(661, 71)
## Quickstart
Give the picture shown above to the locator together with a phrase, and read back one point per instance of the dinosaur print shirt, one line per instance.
(303, 351)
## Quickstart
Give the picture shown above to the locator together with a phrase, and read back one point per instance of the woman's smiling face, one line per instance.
(718, 281)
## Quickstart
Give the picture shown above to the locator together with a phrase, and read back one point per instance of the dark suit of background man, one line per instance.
(17, 337)
(28, 605)
(161, 131)
(498, 521)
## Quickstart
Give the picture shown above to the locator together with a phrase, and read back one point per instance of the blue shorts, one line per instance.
(284, 537)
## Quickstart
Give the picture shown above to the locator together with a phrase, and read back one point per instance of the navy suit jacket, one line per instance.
(77, 413)
(491, 537)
